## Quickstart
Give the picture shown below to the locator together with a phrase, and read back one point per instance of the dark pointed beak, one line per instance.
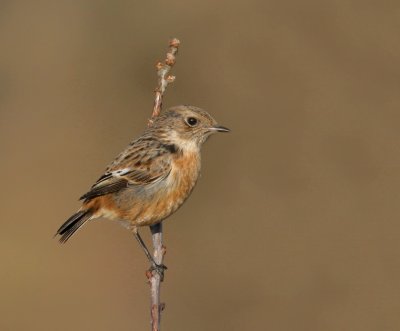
(219, 128)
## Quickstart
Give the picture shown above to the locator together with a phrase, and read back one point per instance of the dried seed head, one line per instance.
(159, 65)
(170, 60)
(174, 42)
(170, 78)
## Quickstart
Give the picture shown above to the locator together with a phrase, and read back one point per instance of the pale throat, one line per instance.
(187, 146)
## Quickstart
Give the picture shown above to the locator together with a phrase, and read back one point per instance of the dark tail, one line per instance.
(73, 224)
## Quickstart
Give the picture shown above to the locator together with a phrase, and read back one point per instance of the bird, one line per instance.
(151, 178)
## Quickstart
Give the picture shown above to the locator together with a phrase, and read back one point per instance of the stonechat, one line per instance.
(152, 177)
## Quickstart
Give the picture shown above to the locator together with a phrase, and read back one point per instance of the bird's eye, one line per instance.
(191, 121)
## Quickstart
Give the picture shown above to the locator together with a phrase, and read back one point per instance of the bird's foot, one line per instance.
(159, 268)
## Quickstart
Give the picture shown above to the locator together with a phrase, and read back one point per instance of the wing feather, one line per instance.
(145, 162)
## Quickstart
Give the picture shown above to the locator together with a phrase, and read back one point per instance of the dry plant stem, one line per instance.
(153, 276)
(163, 78)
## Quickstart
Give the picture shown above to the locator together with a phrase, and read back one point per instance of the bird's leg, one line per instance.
(159, 268)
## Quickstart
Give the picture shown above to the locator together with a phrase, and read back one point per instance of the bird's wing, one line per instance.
(143, 163)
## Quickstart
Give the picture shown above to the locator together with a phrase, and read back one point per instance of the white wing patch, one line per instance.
(120, 172)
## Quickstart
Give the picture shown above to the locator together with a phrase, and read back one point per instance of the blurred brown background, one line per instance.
(294, 224)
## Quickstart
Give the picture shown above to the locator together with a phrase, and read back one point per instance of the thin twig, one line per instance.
(154, 277)
(163, 78)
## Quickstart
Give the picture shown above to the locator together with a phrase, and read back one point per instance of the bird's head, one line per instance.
(186, 126)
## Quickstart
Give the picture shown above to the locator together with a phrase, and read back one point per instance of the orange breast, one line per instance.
(169, 195)
(178, 186)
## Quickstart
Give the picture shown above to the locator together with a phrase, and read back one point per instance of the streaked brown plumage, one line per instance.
(152, 177)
